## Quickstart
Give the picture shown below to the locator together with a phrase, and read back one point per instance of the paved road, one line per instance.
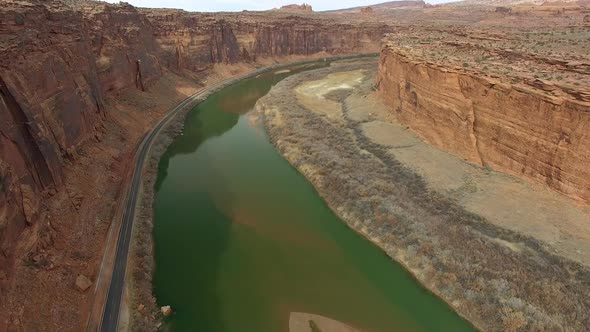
(110, 318)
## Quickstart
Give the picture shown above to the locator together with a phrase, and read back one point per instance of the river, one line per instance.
(242, 239)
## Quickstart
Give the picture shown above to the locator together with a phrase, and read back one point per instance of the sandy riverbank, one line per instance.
(474, 237)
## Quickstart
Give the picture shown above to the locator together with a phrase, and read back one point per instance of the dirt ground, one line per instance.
(506, 201)
(507, 254)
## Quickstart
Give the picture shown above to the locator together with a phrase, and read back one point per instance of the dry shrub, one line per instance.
(512, 320)
(452, 250)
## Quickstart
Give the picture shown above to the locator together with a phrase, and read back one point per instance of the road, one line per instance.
(110, 317)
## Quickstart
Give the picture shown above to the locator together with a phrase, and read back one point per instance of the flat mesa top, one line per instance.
(552, 59)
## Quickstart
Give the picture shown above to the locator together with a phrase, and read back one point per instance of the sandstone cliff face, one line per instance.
(59, 62)
(50, 101)
(516, 128)
(191, 41)
(120, 37)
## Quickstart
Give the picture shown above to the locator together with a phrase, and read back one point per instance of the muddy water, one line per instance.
(243, 240)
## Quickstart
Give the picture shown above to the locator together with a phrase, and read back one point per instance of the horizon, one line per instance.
(254, 5)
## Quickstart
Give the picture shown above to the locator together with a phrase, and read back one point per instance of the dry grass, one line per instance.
(453, 252)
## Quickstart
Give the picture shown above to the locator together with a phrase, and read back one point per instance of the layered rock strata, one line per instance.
(193, 40)
(62, 63)
(526, 126)
(58, 62)
(498, 279)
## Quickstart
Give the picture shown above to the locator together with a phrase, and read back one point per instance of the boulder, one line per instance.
(166, 310)
(83, 283)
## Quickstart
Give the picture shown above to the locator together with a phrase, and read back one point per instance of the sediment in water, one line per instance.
(141, 263)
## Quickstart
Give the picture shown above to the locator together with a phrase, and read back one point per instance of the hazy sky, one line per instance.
(238, 5)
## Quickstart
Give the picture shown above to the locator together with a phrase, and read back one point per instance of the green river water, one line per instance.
(242, 239)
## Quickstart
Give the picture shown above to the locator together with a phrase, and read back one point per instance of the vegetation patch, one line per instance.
(458, 255)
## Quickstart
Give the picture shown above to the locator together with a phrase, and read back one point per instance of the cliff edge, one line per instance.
(490, 101)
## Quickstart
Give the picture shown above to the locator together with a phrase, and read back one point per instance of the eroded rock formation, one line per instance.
(192, 41)
(303, 8)
(367, 10)
(50, 101)
(519, 127)
(57, 65)
(59, 62)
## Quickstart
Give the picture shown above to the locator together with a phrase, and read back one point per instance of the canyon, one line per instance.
(75, 76)
(474, 237)
(81, 82)
(525, 113)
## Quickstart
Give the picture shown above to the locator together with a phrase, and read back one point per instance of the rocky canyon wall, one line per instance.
(57, 64)
(194, 40)
(60, 61)
(50, 100)
(516, 127)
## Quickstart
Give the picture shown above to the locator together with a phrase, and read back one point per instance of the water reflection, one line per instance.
(242, 239)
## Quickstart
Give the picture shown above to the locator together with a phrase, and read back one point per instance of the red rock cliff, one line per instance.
(50, 101)
(58, 62)
(194, 40)
(513, 127)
